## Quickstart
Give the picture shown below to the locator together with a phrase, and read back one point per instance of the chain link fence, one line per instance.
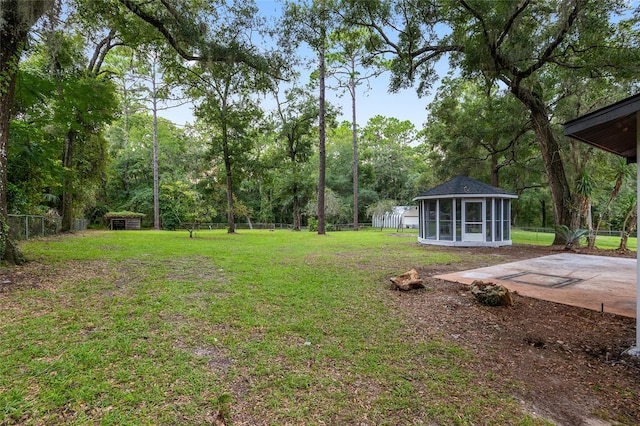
(606, 232)
(24, 226)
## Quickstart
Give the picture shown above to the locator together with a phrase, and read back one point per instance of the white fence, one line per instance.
(24, 226)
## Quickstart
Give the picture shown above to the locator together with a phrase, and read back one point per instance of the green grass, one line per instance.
(266, 327)
(544, 238)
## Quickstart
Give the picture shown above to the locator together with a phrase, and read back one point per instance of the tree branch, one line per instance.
(160, 26)
(98, 49)
(511, 21)
(559, 38)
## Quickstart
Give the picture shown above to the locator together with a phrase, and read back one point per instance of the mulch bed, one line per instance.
(564, 363)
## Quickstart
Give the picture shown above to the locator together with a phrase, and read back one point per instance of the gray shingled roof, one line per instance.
(464, 186)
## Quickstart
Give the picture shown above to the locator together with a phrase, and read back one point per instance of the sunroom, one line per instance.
(466, 213)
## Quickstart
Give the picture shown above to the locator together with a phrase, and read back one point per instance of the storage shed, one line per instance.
(465, 212)
(410, 218)
(123, 220)
(400, 217)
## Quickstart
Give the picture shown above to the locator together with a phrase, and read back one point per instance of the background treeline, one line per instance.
(85, 136)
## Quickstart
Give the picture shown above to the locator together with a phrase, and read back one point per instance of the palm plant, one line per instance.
(571, 237)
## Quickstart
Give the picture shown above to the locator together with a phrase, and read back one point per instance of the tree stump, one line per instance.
(408, 281)
(491, 294)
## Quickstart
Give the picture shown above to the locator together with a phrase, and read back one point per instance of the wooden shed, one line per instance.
(124, 221)
(465, 212)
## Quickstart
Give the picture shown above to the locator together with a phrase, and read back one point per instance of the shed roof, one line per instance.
(466, 187)
(612, 128)
(123, 215)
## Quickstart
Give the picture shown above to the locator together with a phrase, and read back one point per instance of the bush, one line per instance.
(170, 221)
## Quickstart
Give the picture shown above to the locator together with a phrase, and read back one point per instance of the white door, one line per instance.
(473, 218)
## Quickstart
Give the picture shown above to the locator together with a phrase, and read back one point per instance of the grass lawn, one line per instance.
(259, 328)
(541, 238)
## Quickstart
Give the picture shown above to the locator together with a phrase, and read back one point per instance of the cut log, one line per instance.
(408, 281)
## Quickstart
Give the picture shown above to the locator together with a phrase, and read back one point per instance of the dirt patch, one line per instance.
(563, 363)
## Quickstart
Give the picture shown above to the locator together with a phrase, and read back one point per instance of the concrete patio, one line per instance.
(592, 282)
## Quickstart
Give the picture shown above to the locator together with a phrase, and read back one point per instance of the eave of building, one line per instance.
(613, 128)
(466, 196)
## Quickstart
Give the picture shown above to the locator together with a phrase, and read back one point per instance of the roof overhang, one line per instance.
(465, 196)
(613, 128)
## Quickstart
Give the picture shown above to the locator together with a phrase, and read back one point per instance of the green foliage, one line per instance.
(34, 167)
(182, 206)
(333, 208)
(388, 159)
(340, 164)
(539, 50)
(475, 127)
(479, 130)
(58, 102)
(230, 113)
(294, 120)
(130, 176)
(313, 224)
(571, 237)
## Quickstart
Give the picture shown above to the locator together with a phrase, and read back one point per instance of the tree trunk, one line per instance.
(322, 151)
(231, 225)
(614, 193)
(354, 131)
(8, 251)
(67, 185)
(297, 216)
(550, 151)
(16, 19)
(589, 223)
(156, 178)
(628, 226)
(494, 170)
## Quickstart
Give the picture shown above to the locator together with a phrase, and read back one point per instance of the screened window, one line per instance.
(458, 219)
(431, 217)
(488, 223)
(446, 220)
(498, 220)
(506, 219)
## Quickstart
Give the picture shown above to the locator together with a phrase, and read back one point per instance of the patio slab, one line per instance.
(599, 283)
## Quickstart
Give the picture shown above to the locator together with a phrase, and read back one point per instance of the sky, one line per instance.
(404, 105)
(372, 101)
